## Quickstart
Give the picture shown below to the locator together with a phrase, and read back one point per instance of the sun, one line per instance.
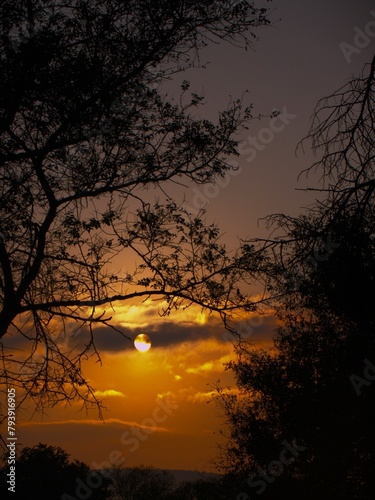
(142, 342)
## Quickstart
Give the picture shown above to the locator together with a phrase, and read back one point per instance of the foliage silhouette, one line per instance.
(45, 472)
(85, 134)
(322, 271)
(141, 483)
(204, 488)
(144, 482)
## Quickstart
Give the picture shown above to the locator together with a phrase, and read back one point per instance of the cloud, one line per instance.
(173, 333)
(162, 334)
(113, 422)
(195, 395)
(109, 393)
(206, 367)
(200, 397)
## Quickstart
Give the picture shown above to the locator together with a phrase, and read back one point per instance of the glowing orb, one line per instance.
(142, 342)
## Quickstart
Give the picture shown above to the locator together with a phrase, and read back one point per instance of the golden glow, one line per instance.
(145, 313)
(142, 342)
(177, 376)
(109, 392)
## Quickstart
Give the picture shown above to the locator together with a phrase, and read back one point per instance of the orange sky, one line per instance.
(158, 410)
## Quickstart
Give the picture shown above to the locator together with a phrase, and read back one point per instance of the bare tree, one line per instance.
(84, 132)
(312, 393)
(342, 136)
(140, 482)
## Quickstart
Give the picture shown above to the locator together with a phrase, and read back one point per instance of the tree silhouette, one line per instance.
(313, 393)
(85, 131)
(141, 483)
(47, 473)
(203, 488)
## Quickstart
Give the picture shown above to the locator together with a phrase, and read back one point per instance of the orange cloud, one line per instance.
(94, 422)
(109, 393)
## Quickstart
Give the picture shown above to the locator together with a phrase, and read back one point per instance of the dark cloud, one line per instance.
(15, 341)
(163, 334)
(168, 334)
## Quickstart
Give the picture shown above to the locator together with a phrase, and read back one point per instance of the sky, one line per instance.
(158, 403)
